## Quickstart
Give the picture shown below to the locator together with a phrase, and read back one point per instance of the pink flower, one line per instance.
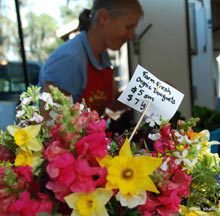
(69, 136)
(5, 201)
(60, 166)
(170, 202)
(168, 186)
(92, 145)
(57, 135)
(59, 190)
(183, 181)
(159, 146)
(150, 206)
(76, 107)
(68, 174)
(45, 205)
(54, 149)
(165, 142)
(24, 171)
(26, 206)
(93, 127)
(9, 191)
(165, 130)
(161, 205)
(85, 181)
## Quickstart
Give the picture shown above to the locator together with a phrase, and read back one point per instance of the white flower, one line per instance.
(198, 146)
(26, 100)
(132, 201)
(154, 137)
(182, 158)
(164, 165)
(153, 119)
(82, 106)
(182, 139)
(20, 113)
(205, 135)
(37, 118)
(47, 98)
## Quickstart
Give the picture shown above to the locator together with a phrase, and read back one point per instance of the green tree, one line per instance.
(40, 36)
(71, 11)
(7, 28)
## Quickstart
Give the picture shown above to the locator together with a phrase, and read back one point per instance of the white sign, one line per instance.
(145, 88)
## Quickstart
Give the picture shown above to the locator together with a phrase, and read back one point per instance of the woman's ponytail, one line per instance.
(84, 20)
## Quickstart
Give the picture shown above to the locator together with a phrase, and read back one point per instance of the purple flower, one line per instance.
(218, 179)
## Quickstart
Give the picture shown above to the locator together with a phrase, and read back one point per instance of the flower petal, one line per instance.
(33, 130)
(71, 200)
(104, 162)
(152, 163)
(150, 186)
(35, 145)
(125, 149)
(12, 129)
(103, 195)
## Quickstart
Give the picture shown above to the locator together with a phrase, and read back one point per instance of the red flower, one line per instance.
(54, 149)
(92, 146)
(68, 175)
(183, 181)
(93, 127)
(25, 206)
(24, 171)
(6, 154)
(165, 141)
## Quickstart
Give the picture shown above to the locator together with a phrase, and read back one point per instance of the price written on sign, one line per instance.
(145, 88)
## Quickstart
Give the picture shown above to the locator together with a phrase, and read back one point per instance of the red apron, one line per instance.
(98, 93)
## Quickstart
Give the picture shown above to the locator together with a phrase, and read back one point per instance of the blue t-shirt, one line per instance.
(67, 65)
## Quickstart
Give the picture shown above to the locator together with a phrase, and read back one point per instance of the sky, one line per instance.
(50, 7)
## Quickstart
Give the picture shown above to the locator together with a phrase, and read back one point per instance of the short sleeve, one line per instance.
(66, 71)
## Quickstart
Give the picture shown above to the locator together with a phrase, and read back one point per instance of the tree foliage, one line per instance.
(39, 29)
(40, 35)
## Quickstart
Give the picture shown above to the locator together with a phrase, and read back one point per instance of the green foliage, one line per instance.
(60, 98)
(43, 214)
(7, 140)
(113, 148)
(209, 119)
(9, 177)
(40, 35)
(186, 125)
(205, 185)
(115, 209)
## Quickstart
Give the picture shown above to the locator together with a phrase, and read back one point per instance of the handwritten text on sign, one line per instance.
(144, 87)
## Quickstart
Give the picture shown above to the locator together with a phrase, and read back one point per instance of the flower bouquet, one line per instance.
(67, 164)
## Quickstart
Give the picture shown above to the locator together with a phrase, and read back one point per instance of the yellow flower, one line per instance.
(24, 158)
(130, 174)
(27, 158)
(192, 135)
(93, 203)
(26, 138)
(194, 211)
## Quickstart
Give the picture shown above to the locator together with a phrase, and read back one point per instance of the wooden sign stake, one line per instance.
(139, 122)
(141, 118)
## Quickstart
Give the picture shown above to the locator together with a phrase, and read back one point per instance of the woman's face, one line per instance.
(118, 30)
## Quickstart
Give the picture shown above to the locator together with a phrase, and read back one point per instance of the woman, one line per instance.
(81, 66)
